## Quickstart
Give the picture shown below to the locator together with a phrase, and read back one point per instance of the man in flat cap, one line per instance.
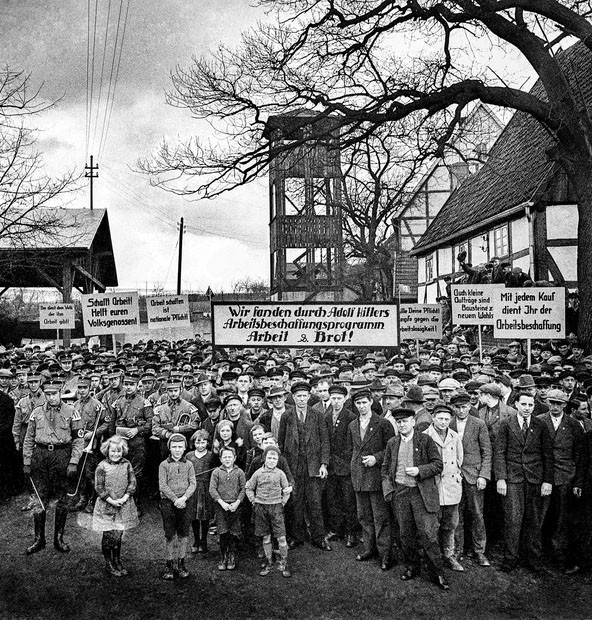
(567, 438)
(410, 465)
(52, 449)
(341, 500)
(476, 472)
(368, 436)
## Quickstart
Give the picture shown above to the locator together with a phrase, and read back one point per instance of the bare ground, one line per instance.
(324, 586)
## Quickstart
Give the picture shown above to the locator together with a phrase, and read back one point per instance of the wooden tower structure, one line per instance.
(306, 237)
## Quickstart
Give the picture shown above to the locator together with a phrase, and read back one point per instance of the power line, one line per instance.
(109, 108)
(102, 70)
(91, 62)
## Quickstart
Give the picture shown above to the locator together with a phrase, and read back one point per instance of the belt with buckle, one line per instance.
(50, 447)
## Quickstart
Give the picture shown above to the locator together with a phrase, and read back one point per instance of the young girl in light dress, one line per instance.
(115, 510)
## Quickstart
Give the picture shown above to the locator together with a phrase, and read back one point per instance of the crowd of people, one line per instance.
(430, 456)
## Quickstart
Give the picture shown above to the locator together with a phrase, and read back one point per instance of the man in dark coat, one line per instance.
(411, 463)
(341, 500)
(523, 467)
(568, 442)
(304, 441)
(476, 472)
(368, 436)
(10, 472)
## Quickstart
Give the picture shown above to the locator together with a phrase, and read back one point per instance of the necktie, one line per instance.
(525, 429)
(301, 416)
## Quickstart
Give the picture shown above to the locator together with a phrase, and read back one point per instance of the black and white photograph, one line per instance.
(294, 309)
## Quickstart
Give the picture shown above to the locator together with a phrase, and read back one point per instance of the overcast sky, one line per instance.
(226, 239)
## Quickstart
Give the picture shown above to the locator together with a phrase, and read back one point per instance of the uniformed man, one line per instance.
(175, 416)
(51, 451)
(22, 414)
(92, 415)
(113, 393)
(133, 420)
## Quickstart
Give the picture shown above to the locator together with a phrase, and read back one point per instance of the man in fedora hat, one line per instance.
(493, 412)
(414, 399)
(304, 441)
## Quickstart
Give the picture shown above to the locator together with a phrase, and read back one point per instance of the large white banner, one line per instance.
(56, 316)
(293, 324)
(472, 304)
(110, 313)
(168, 311)
(534, 312)
(420, 321)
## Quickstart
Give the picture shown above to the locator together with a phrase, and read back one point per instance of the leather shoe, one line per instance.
(351, 541)
(442, 583)
(292, 544)
(482, 559)
(408, 574)
(573, 570)
(323, 544)
(364, 557)
(333, 536)
(453, 564)
(386, 563)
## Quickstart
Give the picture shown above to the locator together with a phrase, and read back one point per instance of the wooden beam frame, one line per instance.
(88, 275)
(49, 279)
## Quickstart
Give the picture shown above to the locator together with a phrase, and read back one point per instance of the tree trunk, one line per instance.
(583, 187)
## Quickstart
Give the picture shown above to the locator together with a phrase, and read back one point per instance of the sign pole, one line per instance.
(480, 344)
(528, 352)
(114, 343)
(417, 348)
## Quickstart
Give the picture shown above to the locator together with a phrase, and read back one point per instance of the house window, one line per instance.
(500, 241)
(429, 268)
(456, 250)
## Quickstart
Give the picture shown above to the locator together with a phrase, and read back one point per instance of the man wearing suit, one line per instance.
(493, 411)
(409, 469)
(368, 436)
(567, 436)
(304, 441)
(322, 391)
(341, 499)
(476, 471)
(523, 467)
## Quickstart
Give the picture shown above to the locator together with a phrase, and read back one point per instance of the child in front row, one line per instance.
(203, 462)
(227, 489)
(176, 481)
(115, 511)
(268, 490)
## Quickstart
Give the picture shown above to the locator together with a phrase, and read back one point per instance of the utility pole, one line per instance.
(89, 174)
(181, 231)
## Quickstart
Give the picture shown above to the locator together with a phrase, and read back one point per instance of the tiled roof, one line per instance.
(60, 228)
(517, 169)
